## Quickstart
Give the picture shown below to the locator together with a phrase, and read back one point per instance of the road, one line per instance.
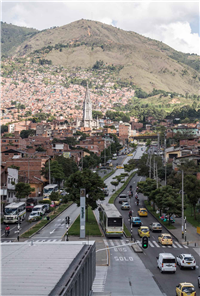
(149, 255)
(55, 230)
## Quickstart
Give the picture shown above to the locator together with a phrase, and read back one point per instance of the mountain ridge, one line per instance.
(149, 63)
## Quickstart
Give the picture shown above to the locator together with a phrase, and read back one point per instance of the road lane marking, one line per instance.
(174, 246)
(178, 245)
(52, 231)
(185, 246)
(151, 244)
(155, 243)
(113, 245)
(10, 230)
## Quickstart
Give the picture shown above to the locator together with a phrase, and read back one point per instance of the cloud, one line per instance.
(169, 22)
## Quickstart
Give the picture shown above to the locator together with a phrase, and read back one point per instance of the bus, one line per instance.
(111, 220)
(13, 211)
(49, 189)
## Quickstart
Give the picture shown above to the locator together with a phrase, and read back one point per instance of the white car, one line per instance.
(186, 260)
(34, 216)
(125, 206)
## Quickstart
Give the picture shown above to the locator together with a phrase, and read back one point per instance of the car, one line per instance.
(122, 198)
(106, 191)
(155, 226)
(165, 239)
(114, 157)
(186, 260)
(143, 231)
(119, 167)
(136, 221)
(185, 289)
(166, 262)
(198, 281)
(130, 154)
(34, 216)
(125, 206)
(142, 212)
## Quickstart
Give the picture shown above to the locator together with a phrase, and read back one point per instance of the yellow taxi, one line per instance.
(110, 164)
(185, 289)
(165, 239)
(130, 154)
(57, 202)
(119, 167)
(143, 231)
(143, 212)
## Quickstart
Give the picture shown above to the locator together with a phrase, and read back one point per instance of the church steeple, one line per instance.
(87, 109)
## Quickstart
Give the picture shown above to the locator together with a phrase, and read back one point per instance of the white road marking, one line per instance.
(155, 243)
(185, 246)
(113, 245)
(151, 244)
(178, 245)
(10, 230)
(52, 231)
(174, 246)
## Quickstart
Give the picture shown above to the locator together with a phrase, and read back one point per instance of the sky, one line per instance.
(174, 23)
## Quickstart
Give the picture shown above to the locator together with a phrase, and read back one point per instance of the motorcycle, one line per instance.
(7, 232)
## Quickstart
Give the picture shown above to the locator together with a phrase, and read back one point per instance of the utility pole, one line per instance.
(104, 152)
(156, 175)
(165, 162)
(154, 168)
(150, 167)
(158, 144)
(49, 172)
(182, 205)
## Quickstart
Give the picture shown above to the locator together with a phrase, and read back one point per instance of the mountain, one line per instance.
(13, 36)
(146, 62)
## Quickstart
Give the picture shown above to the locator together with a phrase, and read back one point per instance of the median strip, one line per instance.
(112, 199)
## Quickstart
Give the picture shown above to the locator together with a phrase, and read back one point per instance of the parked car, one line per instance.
(143, 231)
(198, 280)
(186, 260)
(166, 262)
(185, 289)
(34, 216)
(165, 239)
(125, 206)
(155, 226)
(30, 203)
(39, 208)
(136, 221)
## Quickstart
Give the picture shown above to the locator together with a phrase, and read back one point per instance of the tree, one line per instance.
(69, 165)
(4, 128)
(56, 171)
(168, 199)
(92, 183)
(26, 133)
(192, 189)
(147, 187)
(54, 196)
(23, 190)
(114, 183)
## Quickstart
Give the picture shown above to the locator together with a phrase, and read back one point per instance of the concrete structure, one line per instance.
(59, 268)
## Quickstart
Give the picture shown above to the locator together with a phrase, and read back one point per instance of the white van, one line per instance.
(166, 262)
(40, 208)
(122, 198)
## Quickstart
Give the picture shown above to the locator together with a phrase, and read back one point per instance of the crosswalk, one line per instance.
(36, 241)
(100, 279)
(152, 243)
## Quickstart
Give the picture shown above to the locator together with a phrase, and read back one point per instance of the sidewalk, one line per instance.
(192, 237)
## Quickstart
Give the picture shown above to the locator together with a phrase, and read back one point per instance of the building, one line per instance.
(87, 120)
(57, 268)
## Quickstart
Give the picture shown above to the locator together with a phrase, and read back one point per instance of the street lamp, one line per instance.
(182, 205)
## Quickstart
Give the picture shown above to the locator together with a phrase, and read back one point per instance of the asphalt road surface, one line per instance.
(166, 281)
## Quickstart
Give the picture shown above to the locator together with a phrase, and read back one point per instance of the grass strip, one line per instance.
(111, 200)
(127, 232)
(108, 175)
(166, 223)
(91, 227)
(43, 222)
(189, 213)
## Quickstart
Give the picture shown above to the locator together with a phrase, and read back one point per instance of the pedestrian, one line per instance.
(39, 193)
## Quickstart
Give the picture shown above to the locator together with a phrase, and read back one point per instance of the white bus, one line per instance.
(13, 211)
(111, 220)
(49, 189)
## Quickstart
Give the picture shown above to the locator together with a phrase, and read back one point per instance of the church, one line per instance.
(87, 120)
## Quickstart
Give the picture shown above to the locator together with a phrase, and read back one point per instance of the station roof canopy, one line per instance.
(36, 268)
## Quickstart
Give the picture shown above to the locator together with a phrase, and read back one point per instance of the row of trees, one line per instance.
(168, 198)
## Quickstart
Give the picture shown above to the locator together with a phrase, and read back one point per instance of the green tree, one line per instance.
(4, 128)
(56, 169)
(92, 183)
(147, 187)
(55, 196)
(192, 189)
(23, 190)
(26, 133)
(168, 199)
(69, 165)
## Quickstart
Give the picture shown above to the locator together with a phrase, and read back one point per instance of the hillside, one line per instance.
(147, 63)
(13, 36)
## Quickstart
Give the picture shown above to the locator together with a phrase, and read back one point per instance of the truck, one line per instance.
(30, 203)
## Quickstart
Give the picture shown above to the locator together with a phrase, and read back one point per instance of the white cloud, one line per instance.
(169, 22)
